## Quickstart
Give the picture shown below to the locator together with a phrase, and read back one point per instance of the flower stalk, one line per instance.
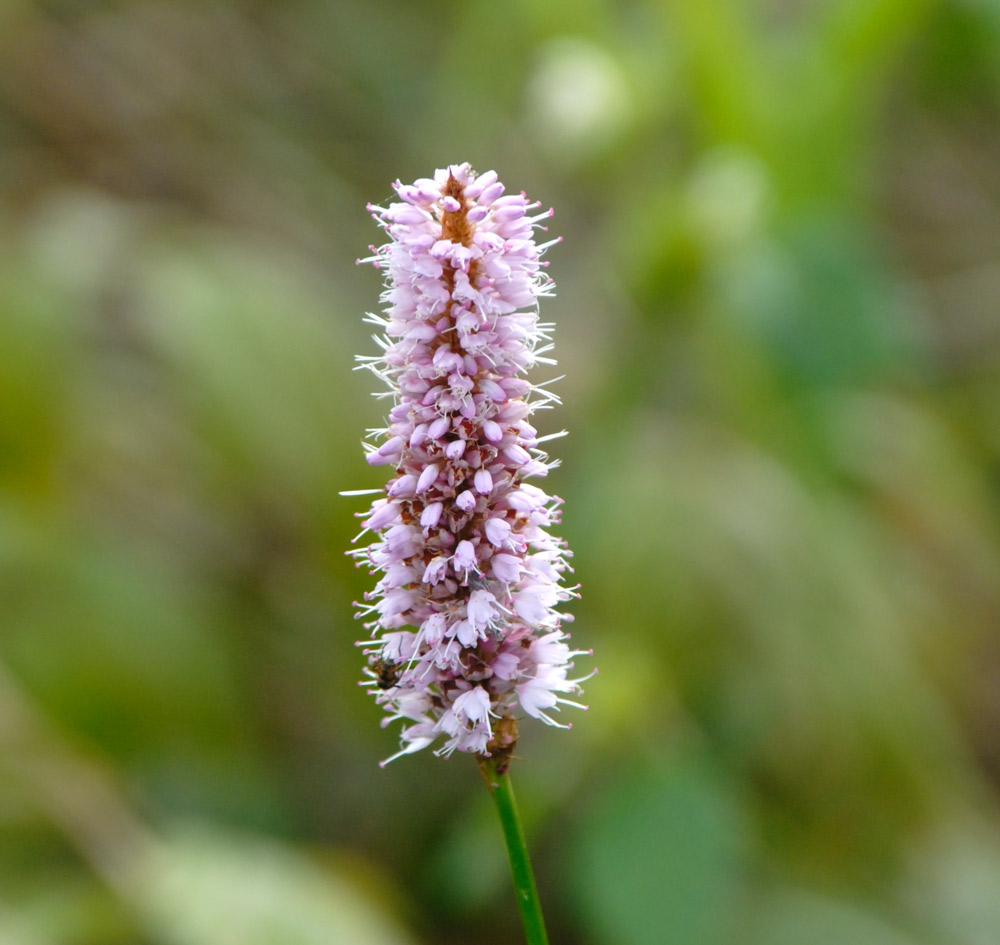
(525, 890)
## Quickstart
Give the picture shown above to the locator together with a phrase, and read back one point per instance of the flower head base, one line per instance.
(464, 631)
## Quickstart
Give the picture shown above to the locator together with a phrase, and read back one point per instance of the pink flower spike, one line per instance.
(463, 621)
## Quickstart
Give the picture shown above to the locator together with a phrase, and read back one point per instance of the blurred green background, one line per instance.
(776, 317)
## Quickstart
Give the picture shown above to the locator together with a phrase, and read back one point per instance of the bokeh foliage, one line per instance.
(776, 317)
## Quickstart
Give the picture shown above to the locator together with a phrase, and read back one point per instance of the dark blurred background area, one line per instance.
(777, 320)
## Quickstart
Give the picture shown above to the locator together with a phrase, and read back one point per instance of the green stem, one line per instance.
(520, 865)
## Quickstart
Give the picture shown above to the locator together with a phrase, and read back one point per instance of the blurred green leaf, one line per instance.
(953, 877)
(207, 887)
(67, 908)
(658, 856)
(255, 358)
(792, 918)
(12, 933)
